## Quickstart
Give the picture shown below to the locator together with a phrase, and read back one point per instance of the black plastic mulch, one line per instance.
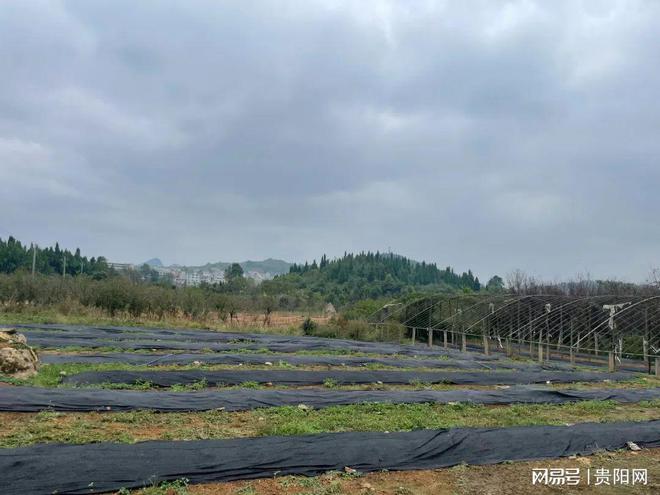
(106, 467)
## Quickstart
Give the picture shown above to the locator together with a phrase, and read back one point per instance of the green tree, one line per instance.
(233, 272)
(235, 282)
(495, 284)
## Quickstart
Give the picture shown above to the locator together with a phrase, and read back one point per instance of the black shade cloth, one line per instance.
(146, 338)
(303, 377)
(104, 467)
(180, 335)
(263, 358)
(33, 399)
(138, 338)
(49, 341)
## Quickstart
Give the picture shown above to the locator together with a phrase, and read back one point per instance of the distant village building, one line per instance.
(187, 277)
(121, 266)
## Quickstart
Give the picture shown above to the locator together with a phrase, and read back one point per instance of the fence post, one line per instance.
(508, 346)
(463, 342)
(445, 339)
(414, 331)
(657, 367)
(610, 361)
(486, 350)
(430, 330)
(596, 343)
(572, 356)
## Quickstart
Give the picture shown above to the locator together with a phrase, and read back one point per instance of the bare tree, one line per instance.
(516, 281)
(519, 282)
(653, 281)
(581, 285)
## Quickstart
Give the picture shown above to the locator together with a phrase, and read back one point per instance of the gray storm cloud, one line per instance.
(487, 136)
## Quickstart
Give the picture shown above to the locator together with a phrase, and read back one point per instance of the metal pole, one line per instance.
(645, 340)
(541, 345)
(561, 326)
(531, 334)
(596, 343)
(428, 326)
(572, 351)
(34, 259)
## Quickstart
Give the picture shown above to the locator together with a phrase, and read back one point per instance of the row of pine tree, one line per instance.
(377, 266)
(15, 256)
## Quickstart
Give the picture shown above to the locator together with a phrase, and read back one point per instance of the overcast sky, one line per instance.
(477, 135)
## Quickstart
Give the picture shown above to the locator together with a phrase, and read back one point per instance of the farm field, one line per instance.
(328, 247)
(353, 417)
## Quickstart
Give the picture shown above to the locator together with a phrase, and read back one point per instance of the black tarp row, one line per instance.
(472, 361)
(49, 341)
(177, 334)
(92, 337)
(162, 336)
(292, 359)
(95, 335)
(118, 332)
(34, 399)
(302, 377)
(64, 342)
(106, 467)
(136, 339)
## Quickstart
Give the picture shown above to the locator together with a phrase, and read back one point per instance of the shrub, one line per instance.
(308, 326)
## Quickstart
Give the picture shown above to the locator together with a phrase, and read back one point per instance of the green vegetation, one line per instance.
(50, 375)
(134, 426)
(354, 277)
(91, 291)
(15, 256)
(359, 285)
(119, 296)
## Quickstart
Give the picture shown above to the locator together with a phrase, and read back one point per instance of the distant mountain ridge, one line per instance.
(269, 266)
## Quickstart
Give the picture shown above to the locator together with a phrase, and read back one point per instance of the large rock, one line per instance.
(17, 359)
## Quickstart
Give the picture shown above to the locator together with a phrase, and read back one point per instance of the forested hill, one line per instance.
(15, 256)
(371, 275)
